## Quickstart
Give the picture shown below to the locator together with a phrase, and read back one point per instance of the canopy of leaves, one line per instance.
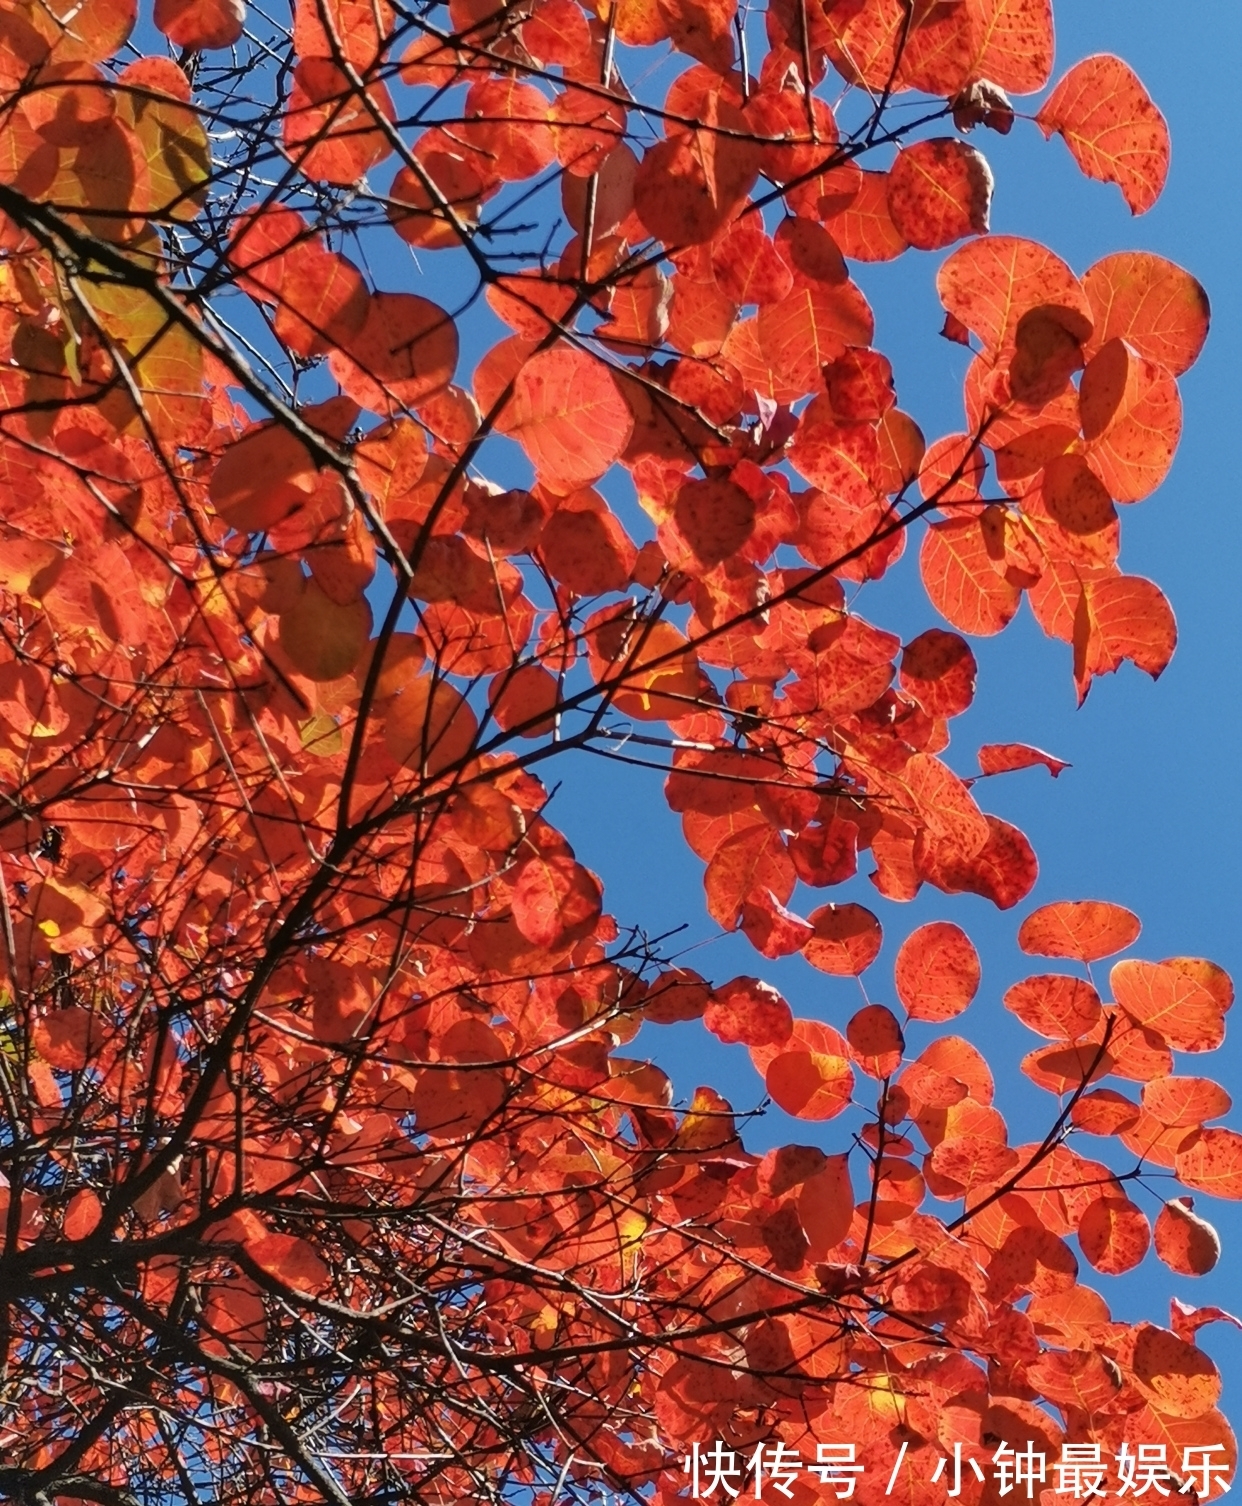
(326, 1176)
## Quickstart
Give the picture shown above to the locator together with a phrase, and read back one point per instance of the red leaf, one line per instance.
(1084, 929)
(1003, 758)
(770, 928)
(1188, 1245)
(1114, 1235)
(748, 1012)
(332, 130)
(937, 972)
(82, 1214)
(1158, 309)
(1104, 1112)
(1131, 419)
(1111, 126)
(290, 1260)
(939, 191)
(965, 580)
(876, 1040)
(990, 283)
(810, 1085)
(1212, 1162)
(1185, 1100)
(1169, 1002)
(1056, 1006)
(1014, 43)
(847, 940)
(200, 25)
(555, 901)
(1004, 870)
(569, 415)
(939, 670)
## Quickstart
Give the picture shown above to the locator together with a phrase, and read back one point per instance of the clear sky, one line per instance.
(1150, 814)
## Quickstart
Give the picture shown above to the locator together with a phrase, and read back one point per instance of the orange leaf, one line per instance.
(290, 1260)
(853, 202)
(555, 901)
(1054, 1005)
(753, 861)
(1125, 617)
(770, 928)
(810, 1085)
(324, 639)
(1004, 869)
(1167, 1001)
(1003, 758)
(585, 547)
(691, 184)
(1085, 929)
(523, 699)
(1185, 1100)
(1177, 1378)
(359, 28)
(713, 520)
(1063, 1069)
(939, 670)
(955, 1057)
(939, 191)
(405, 351)
(1114, 1235)
(506, 122)
(876, 1040)
(748, 1012)
(331, 130)
(1158, 309)
(1012, 42)
(429, 725)
(937, 972)
(811, 327)
(965, 580)
(1104, 1112)
(847, 940)
(1131, 419)
(826, 1206)
(199, 25)
(1212, 977)
(1112, 128)
(569, 415)
(1212, 1162)
(82, 1214)
(748, 267)
(1185, 1242)
(990, 283)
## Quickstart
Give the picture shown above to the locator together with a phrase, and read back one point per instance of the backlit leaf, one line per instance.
(1114, 1235)
(1111, 126)
(810, 1085)
(1003, 758)
(1185, 1242)
(200, 24)
(846, 942)
(1176, 1378)
(938, 192)
(1085, 929)
(937, 972)
(569, 416)
(1057, 1006)
(1212, 1162)
(1157, 308)
(1169, 1003)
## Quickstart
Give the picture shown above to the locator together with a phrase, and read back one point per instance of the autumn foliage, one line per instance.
(330, 1173)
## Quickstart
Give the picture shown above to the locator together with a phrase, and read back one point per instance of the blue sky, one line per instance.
(1150, 814)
